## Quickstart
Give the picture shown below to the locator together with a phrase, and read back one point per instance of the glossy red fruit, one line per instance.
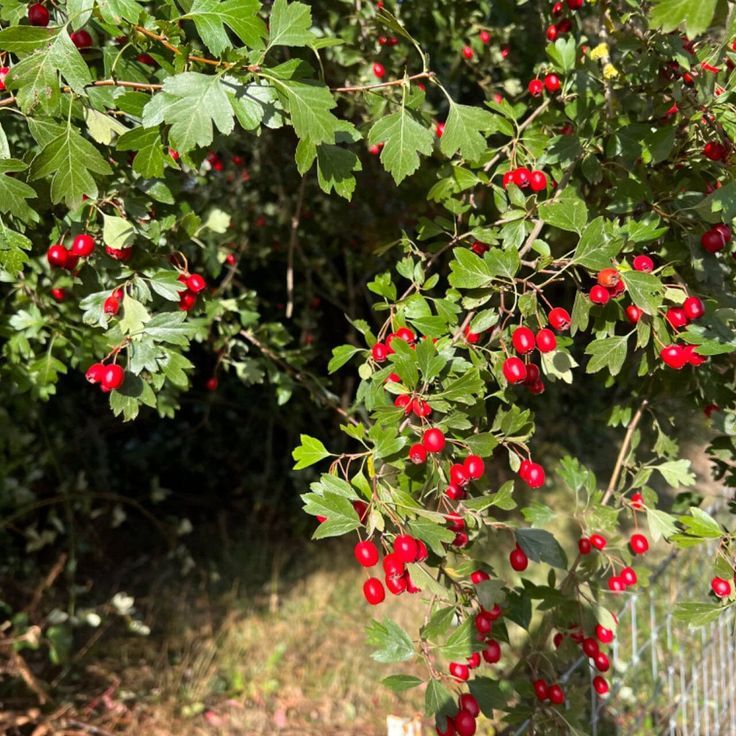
(608, 277)
(518, 559)
(557, 9)
(721, 587)
(473, 660)
(113, 377)
(422, 552)
(639, 544)
(403, 401)
(598, 541)
(575, 4)
(38, 15)
(540, 690)
(600, 684)
(552, 32)
(458, 475)
(557, 640)
(195, 283)
(628, 575)
(522, 339)
(379, 352)
(483, 623)
(643, 263)
(454, 493)
(212, 383)
(495, 613)
(514, 370)
(546, 341)
(468, 52)
(366, 553)
(616, 584)
(725, 231)
(484, 36)
(693, 308)
(637, 501)
(459, 671)
(532, 373)
(396, 584)
(373, 591)
(81, 39)
(522, 177)
(95, 372)
(58, 294)
(552, 83)
(605, 636)
(405, 548)
(405, 334)
(633, 313)
(584, 546)
(449, 729)
(713, 240)
(474, 466)
(469, 703)
(392, 565)
(111, 305)
(421, 408)
(602, 663)
(534, 475)
(464, 723)
(536, 87)
(479, 576)
(538, 181)
(479, 248)
(564, 26)
(83, 246)
(673, 356)
(418, 454)
(57, 256)
(676, 317)
(434, 440)
(559, 318)
(379, 71)
(119, 254)
(590, 647)
(556, 694)
(508, 178)
(599, 295)
(492, 652)
(4, 71)
(715, 151)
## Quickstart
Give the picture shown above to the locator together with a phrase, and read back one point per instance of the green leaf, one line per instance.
(540, 546)
(241, 16)
(596, 249)
(391, 642)
(562, 53)
(676, 472)
(434, 535)
(135, 316)
(191, 103)
(150, 158)
(14, 192)
(70, 160)
(464, 130)
(503, 263)
(404, 139)
(400, 683)
(115, 11)
(309, 452)
(645, 290)
(117, 232)
(661, 524)
(488, 694)
(468, 270)
(289, 24)
(608, 352)
(335, 167)
(438, 700)
(341, 355)
(701, 524)
(439, 624)
(694, 15)
(341, 516)
(26, 39)
(565, 214)
(461, 643)
(13, 247)
(171, 327)
(697, 614)
(80, 11)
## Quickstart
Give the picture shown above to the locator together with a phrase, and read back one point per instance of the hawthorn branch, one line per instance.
(383, 85)
(174, 50)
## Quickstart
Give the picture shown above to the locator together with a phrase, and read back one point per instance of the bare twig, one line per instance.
(46, 583)
(382, 85)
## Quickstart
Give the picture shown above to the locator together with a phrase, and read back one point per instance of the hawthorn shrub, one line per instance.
(549, 185)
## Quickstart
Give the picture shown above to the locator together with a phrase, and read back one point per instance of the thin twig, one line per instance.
(293, 236)
(381, 85)
(174, 50)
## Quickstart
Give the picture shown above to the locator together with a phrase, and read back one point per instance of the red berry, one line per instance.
(403, 401)
(693, 307)
(725, 231)
(676, 317)
(95, 372)
(601, 661)
(639, 544)
(81, 39)
(590, 647)
(459, 671)
(599, 295)
(492, 652)
(473, 660)
(212, 383)
(434, 440)
(83, 246)
(564, 25)
(465, 723)
(616, 584)
(598, 541)
(366, 553)
(608, 277)
(713, 240)
(575, 4)
(58, 294)
(119, 254)
(673, 356)
(418, 454)
(38, 15)
(514, 370)
(458, 475)
(546, 341)
(534, 475)
(584, 546)
(439, 129)
(637, 501)
(485, 36)
(540, 690)
(373, 591)
(553, 32)
(508, 178)
(532, 374)
(559, 318)
(421, 408)
(552, 83)
(605, 636)
(449, 729)
(379, 352)
(643, 263)
(518, 559)
(454, 493)
(715, 151)
(469, 703)
(557, 9)
(556, 694)
(495, 612)
(396, 584)
(536, 87)
(523, 340)
(633, 313)
(112, 377)
(393, 566)
(195, 283)
(111, 305)
(57, 256)
(379, 71)
(483, 623)
(474, 466)
(522, 177)
(478, 576)
(405, 334)
(628, 575)
(468, 52)
(721, 587)
(538, 181)
(600, 684)
(405, 548)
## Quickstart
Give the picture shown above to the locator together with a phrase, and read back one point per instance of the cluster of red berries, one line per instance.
(609, 286)
(638, 544)
(381, 350)
(525, 179)
(551, 83)
(716, 239)
(463, 722)
(544, 691)
(564, 25)
(406, 550)
(195, 285)
(388, 40)
(715, 151)
(109, 377)
(111, 305)
(60, 257)
(591, 648)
